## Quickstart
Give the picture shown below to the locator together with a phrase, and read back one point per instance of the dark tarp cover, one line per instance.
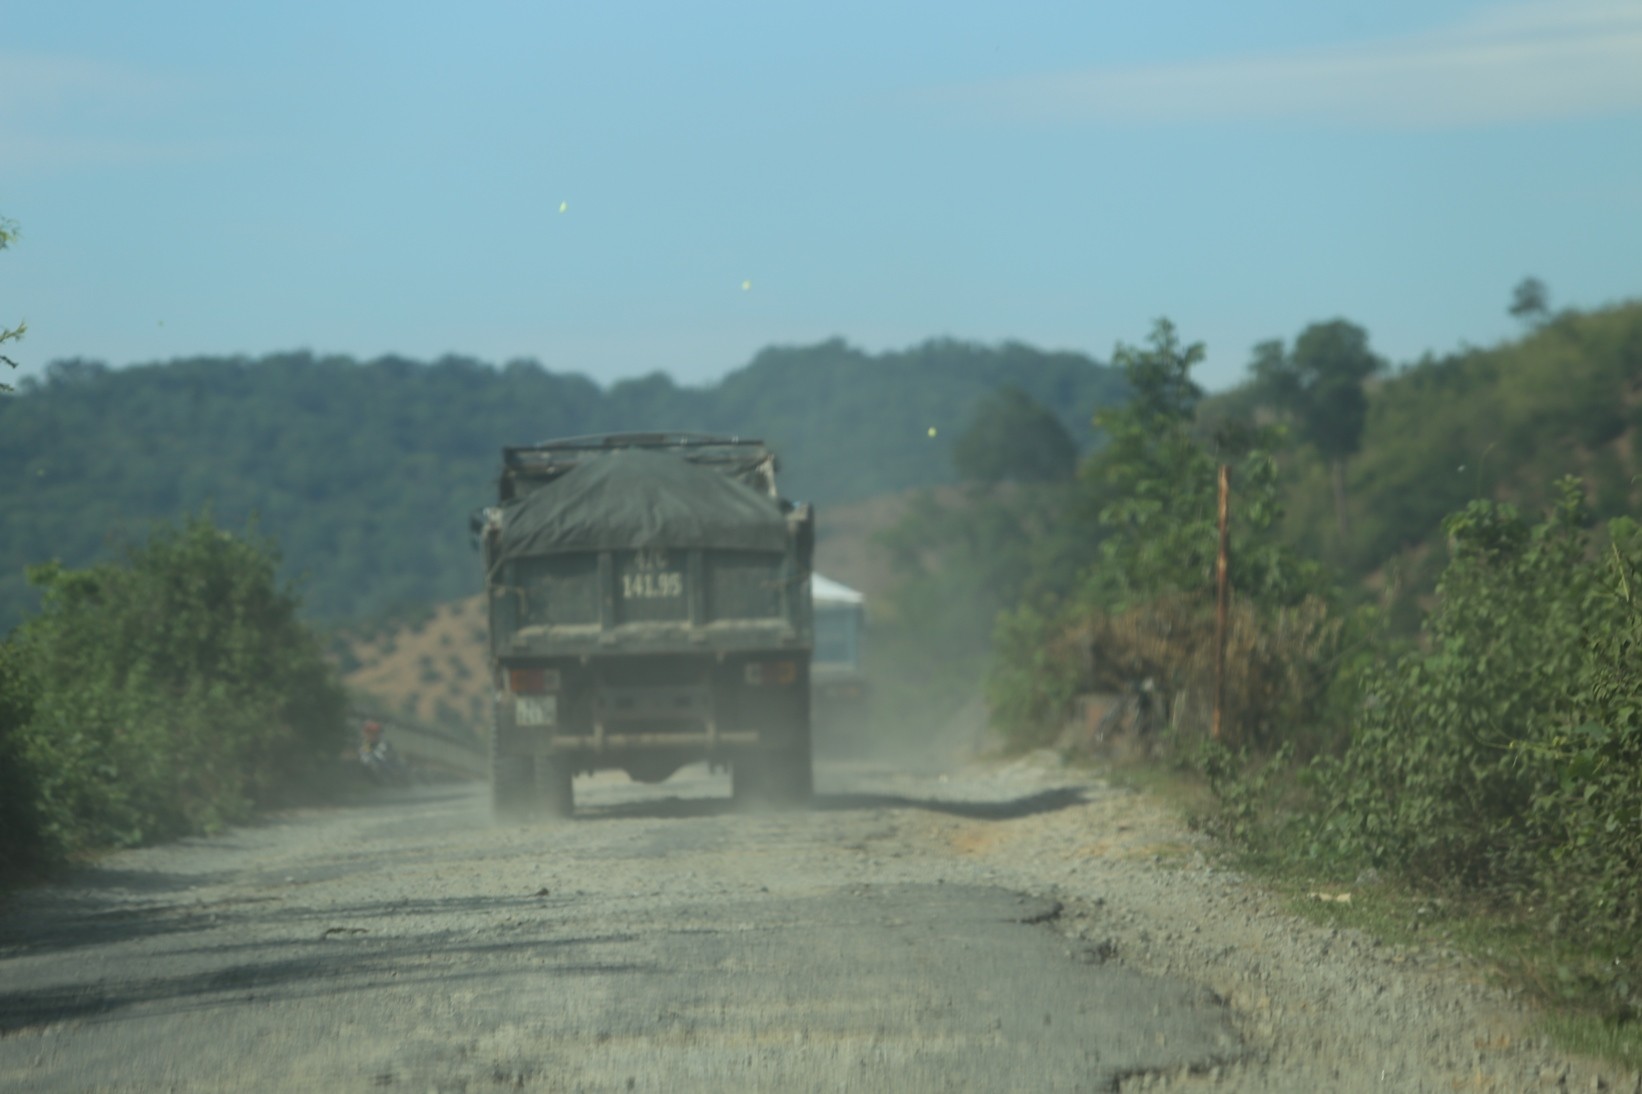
(632, 499)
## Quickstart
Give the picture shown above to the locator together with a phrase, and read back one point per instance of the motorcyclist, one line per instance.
(375, 754)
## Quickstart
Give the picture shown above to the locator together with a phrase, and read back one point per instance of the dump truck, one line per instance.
(650, 607)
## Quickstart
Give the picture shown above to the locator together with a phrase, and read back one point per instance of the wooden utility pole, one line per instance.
(1222, 596)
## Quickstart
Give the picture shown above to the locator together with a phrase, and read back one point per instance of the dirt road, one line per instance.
(1015, 928)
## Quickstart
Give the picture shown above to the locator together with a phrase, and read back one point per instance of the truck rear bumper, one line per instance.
(602, 742)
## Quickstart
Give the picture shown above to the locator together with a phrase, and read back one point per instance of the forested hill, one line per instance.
(1503, 422)
(365, 472)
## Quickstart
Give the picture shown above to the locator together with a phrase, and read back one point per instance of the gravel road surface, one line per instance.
(1016, 928)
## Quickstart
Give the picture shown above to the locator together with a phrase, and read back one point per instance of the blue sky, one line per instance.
(621, 188)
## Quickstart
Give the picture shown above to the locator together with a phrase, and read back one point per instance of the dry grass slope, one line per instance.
(434, 671)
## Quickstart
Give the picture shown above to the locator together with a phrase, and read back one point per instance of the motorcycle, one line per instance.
(378, 759)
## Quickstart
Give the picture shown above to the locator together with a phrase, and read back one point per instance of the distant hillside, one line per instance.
(1503, 422)
(364, 472)
(433, 669)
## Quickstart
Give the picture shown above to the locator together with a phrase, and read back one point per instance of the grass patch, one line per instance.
(1178, 788)
(1563, 980)
(1568, 983)
(1598, 1037)
(1386, 911)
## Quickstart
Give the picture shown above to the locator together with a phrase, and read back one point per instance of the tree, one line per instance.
(18, 816)
(1142, 605)
(8, 233)
(172, 692)
(1319, 384)
(1530, 301)
(1156, 478)
(1010, 437)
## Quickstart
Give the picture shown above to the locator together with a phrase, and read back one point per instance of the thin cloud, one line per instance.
(1538, 61)
(52, 83)
(63, 112)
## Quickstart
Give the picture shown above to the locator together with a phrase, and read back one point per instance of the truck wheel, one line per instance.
(746, 784)
(793, 767)
(797, 777)
(554, 788)
(774, 780)
(511, 781)
(512, 796)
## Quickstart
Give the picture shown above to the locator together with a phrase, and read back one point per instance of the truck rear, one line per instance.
(649, 608)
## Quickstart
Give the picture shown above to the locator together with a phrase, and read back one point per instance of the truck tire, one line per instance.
(794, 772)
(774, 779)
(797, 777)
(746, 785)
(513, 779)
(554, 787)
(512, 789)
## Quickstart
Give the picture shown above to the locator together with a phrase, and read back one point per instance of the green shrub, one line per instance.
(169, 694)
(22, 846)
(1505, 757)
(1141, 613)
(1503, 422)
(1038, 668)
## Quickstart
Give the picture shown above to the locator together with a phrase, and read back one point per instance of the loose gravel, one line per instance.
(405, 943)
(1322, 1009)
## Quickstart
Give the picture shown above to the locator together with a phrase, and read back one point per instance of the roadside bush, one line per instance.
(1278, 670)
(1141, 613)
(21, 848)
(170, 694)
(961, 557)
(1039, 666)
(1505, 757)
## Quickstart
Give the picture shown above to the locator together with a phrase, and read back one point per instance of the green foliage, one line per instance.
(8, 233)
(165, 695)
(961, 558)
(1141, 608)
(367, 471)
(1530, 300)
(1504, 423)
(1246, 786)
(22, 847)
(1157, 477)
(1319, 386)
(1497, 759)
(1320, 383)
(1504, 757)
(1011, 438)
(1036, 672)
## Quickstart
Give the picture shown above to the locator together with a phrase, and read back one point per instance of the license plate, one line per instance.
(536, 710)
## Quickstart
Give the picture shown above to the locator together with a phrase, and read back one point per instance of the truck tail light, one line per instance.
(772, 673)
(532, 681)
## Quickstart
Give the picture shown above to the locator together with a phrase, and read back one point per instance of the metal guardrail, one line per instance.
(425, 744)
